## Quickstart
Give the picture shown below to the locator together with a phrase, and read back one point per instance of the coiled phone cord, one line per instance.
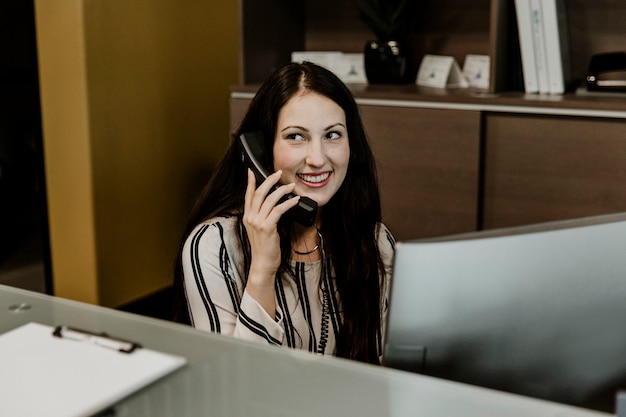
(325, 301)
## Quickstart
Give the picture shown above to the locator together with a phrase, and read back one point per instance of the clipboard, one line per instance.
(64, 372)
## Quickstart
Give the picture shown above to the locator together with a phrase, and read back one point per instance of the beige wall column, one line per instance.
(134, 98)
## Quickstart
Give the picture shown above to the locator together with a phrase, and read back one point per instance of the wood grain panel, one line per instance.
(549, 168)
(238, 109)
(428, 167)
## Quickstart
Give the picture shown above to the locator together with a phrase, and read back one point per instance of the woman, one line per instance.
(245, 269)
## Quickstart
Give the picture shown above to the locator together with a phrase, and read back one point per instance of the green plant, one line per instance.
(388, 19)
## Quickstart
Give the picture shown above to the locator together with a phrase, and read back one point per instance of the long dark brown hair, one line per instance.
(349, 220)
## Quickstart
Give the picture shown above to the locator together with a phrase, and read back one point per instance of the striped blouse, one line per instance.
(307, 316)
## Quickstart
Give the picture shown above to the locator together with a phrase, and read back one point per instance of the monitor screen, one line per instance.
(537, 310)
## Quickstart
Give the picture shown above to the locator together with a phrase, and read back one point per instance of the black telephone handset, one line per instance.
(252, 153)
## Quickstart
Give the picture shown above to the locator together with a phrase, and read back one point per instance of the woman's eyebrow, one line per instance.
(304, 129)
(335, 125)
(294, 127)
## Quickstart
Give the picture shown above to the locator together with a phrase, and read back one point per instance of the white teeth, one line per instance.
(315, 178)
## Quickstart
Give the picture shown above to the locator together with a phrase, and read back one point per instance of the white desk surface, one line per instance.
(229, 377)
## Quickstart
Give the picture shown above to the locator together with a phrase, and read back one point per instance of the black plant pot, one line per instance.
(386, 62)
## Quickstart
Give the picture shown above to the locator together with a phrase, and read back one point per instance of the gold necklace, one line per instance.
(308, 252)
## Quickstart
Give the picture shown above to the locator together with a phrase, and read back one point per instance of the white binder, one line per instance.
(555, 31)
(541, 54)
(527, 48)
(72, 374)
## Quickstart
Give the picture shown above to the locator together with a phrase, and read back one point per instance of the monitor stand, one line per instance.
(406, 357)
(620, 404)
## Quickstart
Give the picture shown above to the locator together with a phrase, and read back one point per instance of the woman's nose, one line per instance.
(315, 153)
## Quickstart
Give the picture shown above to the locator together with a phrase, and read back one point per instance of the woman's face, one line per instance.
(311, 146)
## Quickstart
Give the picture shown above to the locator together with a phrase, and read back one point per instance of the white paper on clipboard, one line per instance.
(43, 375)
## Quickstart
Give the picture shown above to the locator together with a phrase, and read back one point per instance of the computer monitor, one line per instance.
(536, 310)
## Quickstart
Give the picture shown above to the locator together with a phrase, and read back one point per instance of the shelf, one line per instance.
(569, 104)
(272, 29)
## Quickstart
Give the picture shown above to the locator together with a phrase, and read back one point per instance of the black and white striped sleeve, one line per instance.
(217, 302)
(386, 246)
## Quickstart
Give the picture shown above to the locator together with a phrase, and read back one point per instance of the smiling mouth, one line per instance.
(314, 179)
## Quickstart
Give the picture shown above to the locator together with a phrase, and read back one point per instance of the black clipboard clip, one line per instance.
(98, 339)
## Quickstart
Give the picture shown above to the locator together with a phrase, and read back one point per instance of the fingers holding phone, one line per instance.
(262, 211)
(270, 200)
(252, 153)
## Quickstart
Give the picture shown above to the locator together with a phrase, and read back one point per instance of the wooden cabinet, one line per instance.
(454, 164)
(428, 167)
(542, 168)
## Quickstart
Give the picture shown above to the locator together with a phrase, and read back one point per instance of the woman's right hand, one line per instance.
(260, 218)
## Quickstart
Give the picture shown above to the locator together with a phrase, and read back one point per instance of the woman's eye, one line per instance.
(333, 135)
(295, 136)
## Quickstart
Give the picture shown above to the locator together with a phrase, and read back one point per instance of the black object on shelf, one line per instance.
(607, 72)
(386, 62)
